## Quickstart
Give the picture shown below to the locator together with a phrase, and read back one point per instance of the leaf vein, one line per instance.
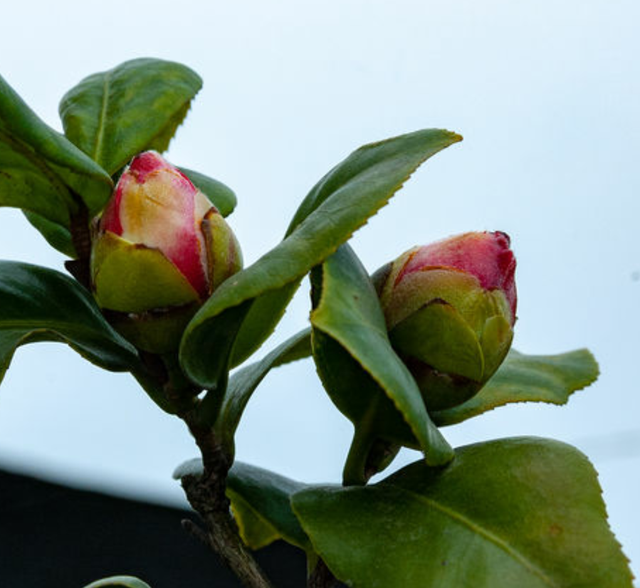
(497, 541)
(106, 88)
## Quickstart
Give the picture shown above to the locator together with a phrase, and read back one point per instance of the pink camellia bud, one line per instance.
(161, 248)
(450, 308)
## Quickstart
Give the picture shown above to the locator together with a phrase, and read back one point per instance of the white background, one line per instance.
(546, 95)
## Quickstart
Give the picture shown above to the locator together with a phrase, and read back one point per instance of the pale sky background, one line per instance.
(546, 94)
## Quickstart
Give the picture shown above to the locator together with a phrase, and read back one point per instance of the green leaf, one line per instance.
(360, 369)
(138, 105)
(520, 512)
(260, 498)
(244, 382)
(223, 197)
(41, 171)
(57, 236)
(260, 501)
(339, 204)
(300, 349)
(263, 315)
(380, 167)
(527, 378)
(118, 582)
(39, 304)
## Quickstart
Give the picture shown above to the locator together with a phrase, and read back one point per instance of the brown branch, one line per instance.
(206, 494)
(190, 527)
(81, 239)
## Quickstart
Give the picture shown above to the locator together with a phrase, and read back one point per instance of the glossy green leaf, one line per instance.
(261, 503)
(244, 382)
(222, 196)
(527, 378)
(138, 105)
(27, 183)
(223, 331)
(118, 582)
(58, 236)
(262, 498)
(300, 350)
(360, 369)
(377, 170)
(521, 512)
(264, 313)
(41, 171)
(339, 204)
(39, 304)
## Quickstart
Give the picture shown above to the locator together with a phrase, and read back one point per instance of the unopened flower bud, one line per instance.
(450, 308)
(160, 249)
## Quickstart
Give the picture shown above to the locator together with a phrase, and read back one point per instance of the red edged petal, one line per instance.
(487, 256)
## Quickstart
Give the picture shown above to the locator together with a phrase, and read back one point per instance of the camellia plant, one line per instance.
(157, 289)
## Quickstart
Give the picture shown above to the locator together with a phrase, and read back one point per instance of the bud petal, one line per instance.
(223, 250)
(160, 245)
(134, 278)
(450, 309)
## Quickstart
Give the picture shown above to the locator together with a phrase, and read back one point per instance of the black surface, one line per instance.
(52, 536)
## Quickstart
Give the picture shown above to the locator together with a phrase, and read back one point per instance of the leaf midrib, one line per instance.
(497, 541)
(106, 87)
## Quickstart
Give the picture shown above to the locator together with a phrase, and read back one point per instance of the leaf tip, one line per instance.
(455, 137)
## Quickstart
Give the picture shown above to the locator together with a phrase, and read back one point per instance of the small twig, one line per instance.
(81, 231)
(81, 239)
(206, 494)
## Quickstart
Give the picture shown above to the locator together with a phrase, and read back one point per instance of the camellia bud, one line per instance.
(160, 249)
(450, 308)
